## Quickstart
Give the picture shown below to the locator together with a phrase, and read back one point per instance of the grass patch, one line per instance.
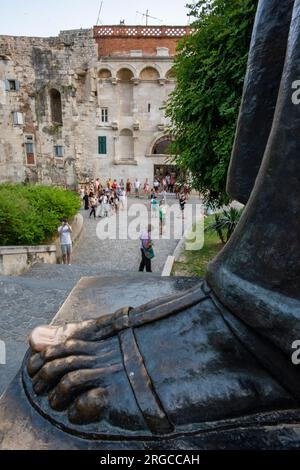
(194, 263)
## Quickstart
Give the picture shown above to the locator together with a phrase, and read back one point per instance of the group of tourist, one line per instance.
(166, 183)
(106, 200)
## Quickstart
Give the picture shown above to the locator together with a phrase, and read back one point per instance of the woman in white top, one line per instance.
(122, 198)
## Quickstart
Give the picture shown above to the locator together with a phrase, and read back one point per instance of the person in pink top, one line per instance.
(146, 250)
(147, 187)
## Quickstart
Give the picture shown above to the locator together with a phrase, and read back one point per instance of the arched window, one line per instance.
(104, 74)
(149, 73)
(170, 75)
(162, 146)
(126, 145)
(125, 75)
(56, 107)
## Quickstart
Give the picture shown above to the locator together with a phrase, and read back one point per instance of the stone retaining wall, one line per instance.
(14, 260)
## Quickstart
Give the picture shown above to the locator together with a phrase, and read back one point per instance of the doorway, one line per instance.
(163, 170)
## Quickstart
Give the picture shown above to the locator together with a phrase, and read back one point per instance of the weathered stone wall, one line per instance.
(40, 65)
(69, 64)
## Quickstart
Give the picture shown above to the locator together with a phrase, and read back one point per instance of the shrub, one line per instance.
(225, 223)
(30, 215)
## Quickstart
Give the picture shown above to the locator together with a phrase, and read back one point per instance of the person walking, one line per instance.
(147, 188)
(122, 198)
(168, 179)
(146, 250)
(128, 187)
(122, 184)
(156, 184)
(104, 211)
(93, 206)
(86, 200)
(109, 184)
(182, 202)
(177, 190)
(163, 195)
(162, 215)
(97, 186)
(187, 191)
(65, 231)
(115, 202)
(172, 183)
(137, 186)
(154, 205)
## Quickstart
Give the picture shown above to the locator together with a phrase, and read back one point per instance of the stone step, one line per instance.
(60, 273)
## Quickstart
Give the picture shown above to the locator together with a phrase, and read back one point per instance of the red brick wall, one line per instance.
(116, 40)
(29, 129)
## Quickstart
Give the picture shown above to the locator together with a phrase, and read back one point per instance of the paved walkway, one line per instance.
(122, 252)
(34, 298)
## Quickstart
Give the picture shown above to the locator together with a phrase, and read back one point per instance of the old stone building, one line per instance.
(86, 104)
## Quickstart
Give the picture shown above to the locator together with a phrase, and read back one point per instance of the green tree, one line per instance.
(210, 69)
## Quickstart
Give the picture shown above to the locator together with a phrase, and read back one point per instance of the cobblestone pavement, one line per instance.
(124, 254)
(24, 304)
(34, 298)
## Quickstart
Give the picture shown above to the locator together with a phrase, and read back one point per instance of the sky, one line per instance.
(48, 17)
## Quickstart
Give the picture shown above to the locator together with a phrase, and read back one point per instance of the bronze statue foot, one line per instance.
(171, 373)
(85, 379)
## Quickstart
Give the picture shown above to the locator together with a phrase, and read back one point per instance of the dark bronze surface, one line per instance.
(262, 82)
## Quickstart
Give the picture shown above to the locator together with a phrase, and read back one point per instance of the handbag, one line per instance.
(149, 252)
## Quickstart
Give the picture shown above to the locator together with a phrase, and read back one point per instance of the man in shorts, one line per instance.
(137, 186)
(65, 231)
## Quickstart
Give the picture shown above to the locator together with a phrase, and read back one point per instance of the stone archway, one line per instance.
(104, 74)
(149, 74)
(56, 106)
(125, 74)
(162, 146)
